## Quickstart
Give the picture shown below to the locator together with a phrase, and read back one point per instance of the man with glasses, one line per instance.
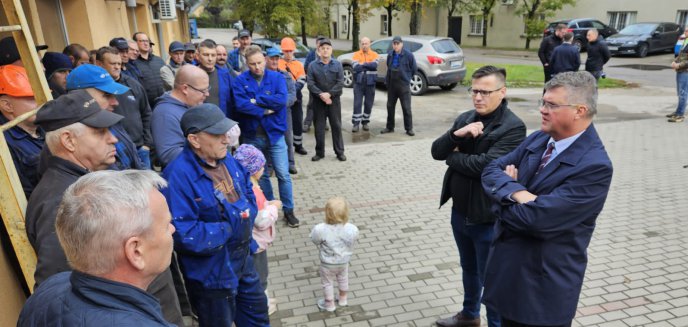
(547, 195)
(191, 88)
(477, 137)
(149, 65)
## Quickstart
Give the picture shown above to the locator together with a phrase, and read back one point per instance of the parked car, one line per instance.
(439, 59)
(643, 38)
(264, 43)
(679, 44)
(579, 27)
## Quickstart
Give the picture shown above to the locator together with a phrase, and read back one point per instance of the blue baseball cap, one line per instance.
(88, 75)
(176, 46)
(273, 52)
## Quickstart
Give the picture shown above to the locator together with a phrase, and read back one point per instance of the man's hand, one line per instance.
(674, 65)
(512, 171)
(471, 130)
(523, 197)
(326, 97)
(276, 203)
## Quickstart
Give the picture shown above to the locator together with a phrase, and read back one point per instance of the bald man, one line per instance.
(191, 87)
(364, 64)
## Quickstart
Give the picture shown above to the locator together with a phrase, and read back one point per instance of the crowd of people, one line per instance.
(215, 123)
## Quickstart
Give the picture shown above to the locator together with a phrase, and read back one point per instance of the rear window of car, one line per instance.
(412, 46)
(445, 46)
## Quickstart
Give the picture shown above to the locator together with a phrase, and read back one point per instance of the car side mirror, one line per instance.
(655, 34)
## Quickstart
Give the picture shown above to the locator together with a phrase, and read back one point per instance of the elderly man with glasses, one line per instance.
(477, 137)
(191, 88)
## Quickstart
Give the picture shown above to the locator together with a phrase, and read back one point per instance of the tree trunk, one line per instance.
(355, 25)
(348, 23)
(390, 9)
(303, 30)
(485, 18)
(414, 24)
(527, 42)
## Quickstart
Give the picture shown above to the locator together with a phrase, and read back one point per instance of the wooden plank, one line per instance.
(10, 28)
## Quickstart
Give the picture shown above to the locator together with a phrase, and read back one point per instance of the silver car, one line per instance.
(439, 59)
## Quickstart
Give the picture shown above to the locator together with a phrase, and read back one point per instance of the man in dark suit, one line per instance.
(477, 137)
(566, 57)
(548, 194)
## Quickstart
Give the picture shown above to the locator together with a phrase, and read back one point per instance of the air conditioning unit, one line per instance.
(181, 5)
(507, 2)
(168, 9)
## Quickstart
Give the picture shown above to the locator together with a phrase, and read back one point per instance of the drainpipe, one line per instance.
(161, 42)
(131, 4)
(65, 33)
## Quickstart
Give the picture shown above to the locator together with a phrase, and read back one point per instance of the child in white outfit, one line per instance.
(335, 239)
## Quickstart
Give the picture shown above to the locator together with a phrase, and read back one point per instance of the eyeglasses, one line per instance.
(483, 93)
(551, 106)
(204, 91)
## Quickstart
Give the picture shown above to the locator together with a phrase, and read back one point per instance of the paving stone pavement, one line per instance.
(405, 270)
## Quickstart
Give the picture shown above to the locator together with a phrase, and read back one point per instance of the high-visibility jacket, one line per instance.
(365, 67)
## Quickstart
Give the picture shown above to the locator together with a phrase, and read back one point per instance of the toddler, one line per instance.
(335, 239)
(264, 226)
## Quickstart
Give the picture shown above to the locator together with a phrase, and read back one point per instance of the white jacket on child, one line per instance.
(335, 242)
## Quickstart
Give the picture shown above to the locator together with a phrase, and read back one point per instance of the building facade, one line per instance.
(505, 28)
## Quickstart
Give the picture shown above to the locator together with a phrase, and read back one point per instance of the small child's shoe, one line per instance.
(323, 307)
(343, 303)
(272, 308)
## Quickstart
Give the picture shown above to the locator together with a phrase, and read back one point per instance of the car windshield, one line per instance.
(445, 46)
(638, 29)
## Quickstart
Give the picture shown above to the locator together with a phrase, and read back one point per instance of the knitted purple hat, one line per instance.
(250, 157)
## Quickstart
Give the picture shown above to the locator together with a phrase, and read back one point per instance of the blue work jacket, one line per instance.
(407, 66)
(213, 236)
(270, 94)
(25, 150)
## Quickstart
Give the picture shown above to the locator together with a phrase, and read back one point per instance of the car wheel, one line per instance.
(348, 76)
(642, 50)
(419, 84)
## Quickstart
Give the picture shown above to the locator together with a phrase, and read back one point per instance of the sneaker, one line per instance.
(292, 221)
(458, 320)
(671, 115)
(343, 303)
(272, 308)
(386, 130)
(355, 129)
(365, 127)
(322, 307)
(676, 119)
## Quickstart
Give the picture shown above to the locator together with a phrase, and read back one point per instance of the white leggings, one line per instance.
(327, 276)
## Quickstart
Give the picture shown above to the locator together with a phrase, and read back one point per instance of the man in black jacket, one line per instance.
(149, 65)
(598, 54)
(547, 47)
(133, 105)
(477, 137)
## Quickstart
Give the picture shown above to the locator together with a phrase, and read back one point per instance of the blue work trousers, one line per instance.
(364, 96)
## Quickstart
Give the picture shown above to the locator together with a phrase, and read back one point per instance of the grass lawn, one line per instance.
(532, 76)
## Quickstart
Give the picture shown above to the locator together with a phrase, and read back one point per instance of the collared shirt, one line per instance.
(395, 60)
(561, 145)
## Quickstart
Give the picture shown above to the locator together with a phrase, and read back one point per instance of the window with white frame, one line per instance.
(682, 18)
(620, 19)
(383, 25)
(345, 24)
(477, 24)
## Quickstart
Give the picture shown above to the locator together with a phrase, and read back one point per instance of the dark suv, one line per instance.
(643, 38)
(579, 27)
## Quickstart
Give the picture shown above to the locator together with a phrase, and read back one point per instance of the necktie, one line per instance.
(545, 158)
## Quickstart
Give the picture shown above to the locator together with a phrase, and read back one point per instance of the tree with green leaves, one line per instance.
(485, 7)
(536, 11)
(390, 6)
(274, 17)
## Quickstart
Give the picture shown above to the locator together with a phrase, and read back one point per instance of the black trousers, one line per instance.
(511, 323)
(309, 112)
(548, 73)
(399, 90)
(333, 113)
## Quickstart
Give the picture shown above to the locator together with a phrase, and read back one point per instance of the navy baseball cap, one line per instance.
(55, 62)
(88, 75)
(75, 107)
(244, 33)
(206, 117)
(397, 39)
(273, 52)
(325, 41)
(188, 46)
(119, 43)
(176, 46)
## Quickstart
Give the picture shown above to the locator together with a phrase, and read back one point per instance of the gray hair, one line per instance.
(100, 212)
(580, 88)
(52, 138)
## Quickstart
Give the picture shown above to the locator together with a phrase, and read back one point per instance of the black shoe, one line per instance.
(306, 128)
(292, 221)
(355, 129)
(365, 127)
(410, 132)
(386, 130)
(327, 127)
(316, 158)
(293, 171)
(341, 157)
(300, 150)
